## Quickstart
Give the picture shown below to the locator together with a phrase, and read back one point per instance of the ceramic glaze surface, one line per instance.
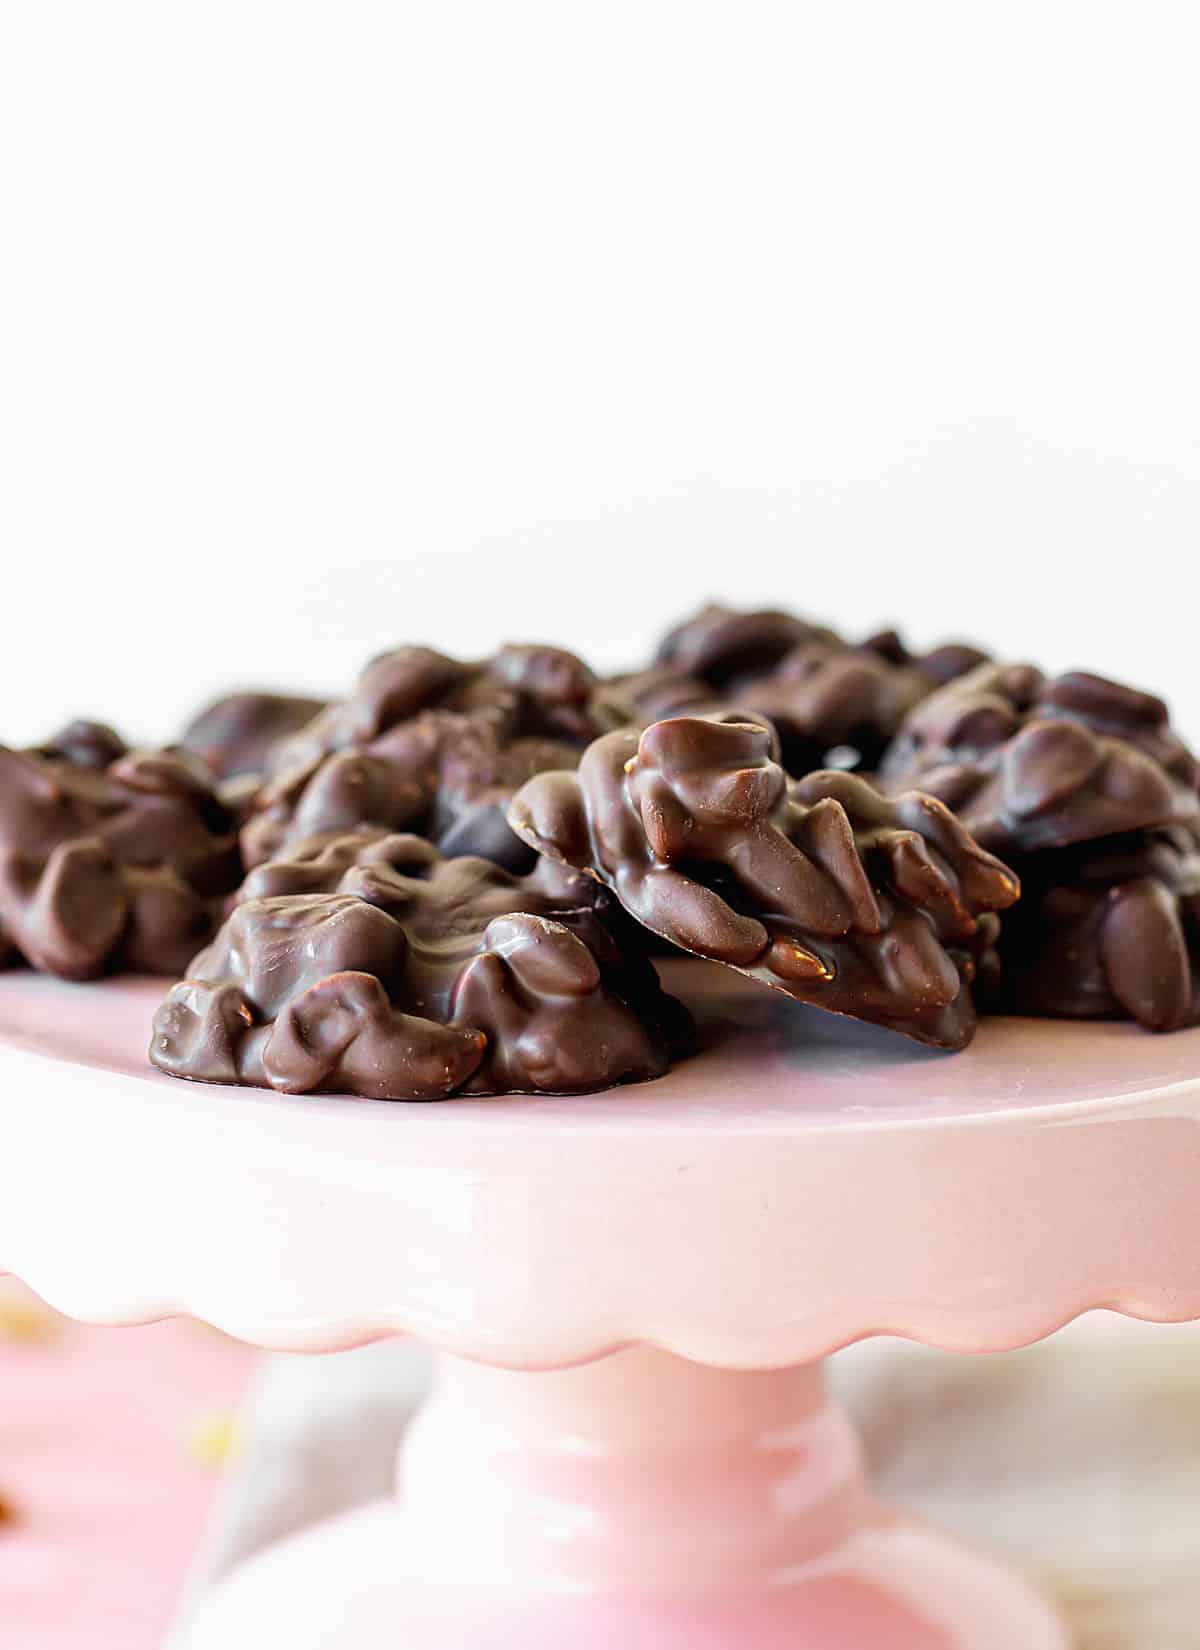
(638, 1501)
(895, 1586)
(803, 1182)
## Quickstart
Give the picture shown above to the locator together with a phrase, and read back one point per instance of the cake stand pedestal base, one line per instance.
(639, 1502)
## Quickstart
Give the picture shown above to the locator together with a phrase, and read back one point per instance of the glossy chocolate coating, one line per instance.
(821, 692)
(821, 697)
(722, 644)
(941, 664)
(1031, 763)
(1109, 931)
(109, 858)
(526, 690)
(372, 965)
(429, 744)
(637, 698)
(236, 733)
(874, 907)
(84, 744)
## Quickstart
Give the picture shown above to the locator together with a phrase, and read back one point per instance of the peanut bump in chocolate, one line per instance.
(721, 644)
(237, 733)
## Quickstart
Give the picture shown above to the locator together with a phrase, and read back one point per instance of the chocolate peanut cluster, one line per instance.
(842, 701)
(873, 907)
(431, 744)
(236, 733)
(1108, 930)
(939, 664)
(724, 645)
(827, 698)
(109, 858)
(1030, 762)
(373, 965)
(1087, 790)
(453, 880)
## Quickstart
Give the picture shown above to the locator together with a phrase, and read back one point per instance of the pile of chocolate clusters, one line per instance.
(457, 879)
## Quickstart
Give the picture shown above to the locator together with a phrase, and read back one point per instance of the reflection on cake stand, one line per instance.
(629, 1443)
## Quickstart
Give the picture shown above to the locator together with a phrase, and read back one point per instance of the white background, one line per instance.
(324, 327)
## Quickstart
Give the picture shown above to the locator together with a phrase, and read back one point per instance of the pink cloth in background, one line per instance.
(103, 1467)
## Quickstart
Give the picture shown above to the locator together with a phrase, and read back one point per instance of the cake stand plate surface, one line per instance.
(807, 1181)
(801, 1183)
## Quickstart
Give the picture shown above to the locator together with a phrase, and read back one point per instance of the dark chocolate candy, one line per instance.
(429, 744)
(446, 774)
(640, 697)
(84, 744)
(823, 693)
(1110, 930)
(1031, 763)
(526, 690)
(821, 698)
(374, 966)
(721, 644)
(236, 733)
(874, 907)
(940, 664)
(109, 858)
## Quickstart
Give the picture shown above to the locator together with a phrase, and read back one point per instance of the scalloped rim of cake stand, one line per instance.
(804, 1183)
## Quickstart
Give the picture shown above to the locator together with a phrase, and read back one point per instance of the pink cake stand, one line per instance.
(629, 1446)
